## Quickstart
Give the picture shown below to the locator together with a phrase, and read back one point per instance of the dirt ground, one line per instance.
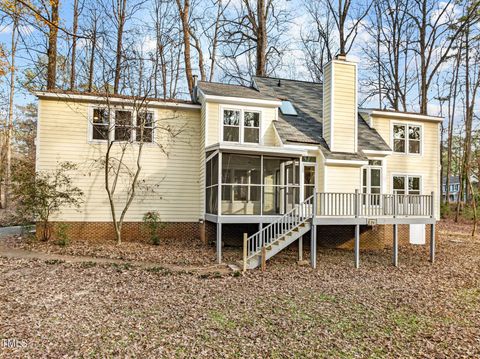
(54, 309)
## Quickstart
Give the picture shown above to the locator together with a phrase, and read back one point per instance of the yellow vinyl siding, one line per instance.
(426, 164)
(342, 179)
(344, 98)
(175, 179)
(215, 122)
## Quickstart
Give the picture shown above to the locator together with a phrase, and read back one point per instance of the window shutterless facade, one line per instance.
(241, 126)
(407, 138)
(121, 125)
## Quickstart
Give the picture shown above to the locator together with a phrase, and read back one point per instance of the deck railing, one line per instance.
(332, 204)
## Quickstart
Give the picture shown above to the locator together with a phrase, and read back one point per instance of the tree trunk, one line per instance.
(451, 120)
(8, 174)
(184, 14)
(74, 44)
(52, 45)
(121, 14)
(261, 65)
(215, 41)
(91, 67)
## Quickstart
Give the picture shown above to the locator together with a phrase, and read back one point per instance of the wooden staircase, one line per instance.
(279, 234)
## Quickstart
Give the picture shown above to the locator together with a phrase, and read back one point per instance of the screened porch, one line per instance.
(256, 185)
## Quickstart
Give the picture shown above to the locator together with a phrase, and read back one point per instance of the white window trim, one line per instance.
(406, 182)
(392, 138)
(241, 136)
(111, 134)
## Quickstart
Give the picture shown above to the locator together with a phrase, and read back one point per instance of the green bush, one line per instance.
(153, 224)
(62, 236)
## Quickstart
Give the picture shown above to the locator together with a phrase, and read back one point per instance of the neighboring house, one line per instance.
(279, 160)
(454, 185)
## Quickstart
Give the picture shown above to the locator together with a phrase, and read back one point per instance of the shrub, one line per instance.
(153, 224)
(42, 195)
(62, 236)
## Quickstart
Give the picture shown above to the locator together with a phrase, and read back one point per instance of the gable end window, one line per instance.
(241, 126)
(407, 138)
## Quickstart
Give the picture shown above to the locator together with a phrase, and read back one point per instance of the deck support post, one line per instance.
(219, 243)
(395, 245)
(432, 243)
(357, 246)
(300, 249)
(313, 246)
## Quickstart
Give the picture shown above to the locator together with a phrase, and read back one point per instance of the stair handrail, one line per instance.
(270, 233)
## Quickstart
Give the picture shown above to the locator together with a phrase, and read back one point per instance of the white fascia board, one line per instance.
(347, 163)
(256, 149)
(112, 99)
(402, 115)
(242, 101)
(377, 153)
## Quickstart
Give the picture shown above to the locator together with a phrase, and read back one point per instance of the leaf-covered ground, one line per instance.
(416, 310)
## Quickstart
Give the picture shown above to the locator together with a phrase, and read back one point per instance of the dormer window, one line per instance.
(241, 126)
(288, 109)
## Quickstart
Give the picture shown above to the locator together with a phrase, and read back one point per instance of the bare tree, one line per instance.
(14, 39)
(347, 20)
(184, 12)
(52, 43)
(318, 43)
(390, 53)
(437, 28)
(74, 44)
(253, 39)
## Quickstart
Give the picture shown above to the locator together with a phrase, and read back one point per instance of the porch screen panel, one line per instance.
(241, 184)
(211, 182)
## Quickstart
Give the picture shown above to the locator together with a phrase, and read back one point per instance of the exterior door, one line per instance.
(372, 182)
(309, 180)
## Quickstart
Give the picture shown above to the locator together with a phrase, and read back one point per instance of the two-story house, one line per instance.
(278, 160)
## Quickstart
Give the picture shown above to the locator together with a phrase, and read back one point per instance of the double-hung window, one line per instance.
(406, 184)
(123, 125)
(231, 125)
(144, 129)
(241, 126)
(251, 127)
(100, 124)
(407, 138)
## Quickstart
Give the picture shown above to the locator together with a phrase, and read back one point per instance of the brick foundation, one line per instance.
(131, 231)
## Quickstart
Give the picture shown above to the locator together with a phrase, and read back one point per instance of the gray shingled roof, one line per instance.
(218, 89)
(307, 126)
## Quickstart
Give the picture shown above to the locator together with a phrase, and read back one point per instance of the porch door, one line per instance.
(372, 182)
(309, 180)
